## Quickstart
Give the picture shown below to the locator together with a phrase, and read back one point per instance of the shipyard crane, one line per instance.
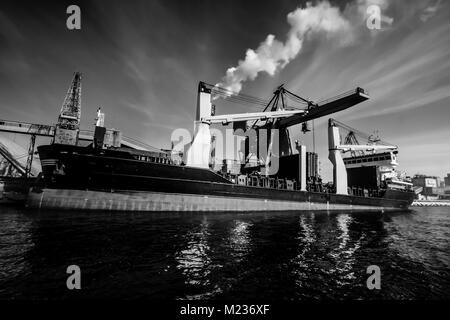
(43, 130)
(67, 128)
(14, 166)
(68, 123)
(66, 131)
(30, 129)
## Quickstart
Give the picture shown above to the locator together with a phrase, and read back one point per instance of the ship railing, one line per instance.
(364, 192)
(253, 180)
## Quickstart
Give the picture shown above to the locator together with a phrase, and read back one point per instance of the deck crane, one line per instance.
(303, 110)
(350, 139)
(340, 165)
(270, 115)
(276, 115)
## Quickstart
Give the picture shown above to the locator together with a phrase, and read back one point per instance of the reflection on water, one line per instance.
(290, 255)
(306, 239)
(344, 254)
(240, 239)
(193, 261)
(326, 250)
(197, 260)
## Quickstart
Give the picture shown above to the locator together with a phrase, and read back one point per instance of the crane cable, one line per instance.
(231, 96)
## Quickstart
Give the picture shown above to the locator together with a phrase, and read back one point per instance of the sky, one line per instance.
(142, 61)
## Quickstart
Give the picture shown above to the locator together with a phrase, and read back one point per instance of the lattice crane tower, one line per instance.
(68, 125)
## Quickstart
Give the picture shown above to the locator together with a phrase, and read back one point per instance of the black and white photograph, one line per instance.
(225, 157)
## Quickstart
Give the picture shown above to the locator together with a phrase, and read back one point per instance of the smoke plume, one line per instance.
(273, 55)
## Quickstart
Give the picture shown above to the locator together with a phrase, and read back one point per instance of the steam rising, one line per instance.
(273, 55)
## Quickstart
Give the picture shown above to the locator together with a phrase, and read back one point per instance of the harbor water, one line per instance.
(288, 256)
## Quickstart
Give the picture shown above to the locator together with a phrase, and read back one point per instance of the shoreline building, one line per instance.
(446, 194)
(430, 186)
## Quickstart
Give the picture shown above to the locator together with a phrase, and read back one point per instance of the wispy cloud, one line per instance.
(142, 61)
(430, 11)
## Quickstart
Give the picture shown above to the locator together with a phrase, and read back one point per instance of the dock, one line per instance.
(431, 203)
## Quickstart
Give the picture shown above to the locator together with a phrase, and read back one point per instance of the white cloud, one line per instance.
(272, 54)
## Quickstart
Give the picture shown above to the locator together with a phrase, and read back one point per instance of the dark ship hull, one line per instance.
(128, 180)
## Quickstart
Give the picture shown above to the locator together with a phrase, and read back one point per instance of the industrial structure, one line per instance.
(65, 131)
(107, 176)
(15, 176)
(431, 187)
(277, 114)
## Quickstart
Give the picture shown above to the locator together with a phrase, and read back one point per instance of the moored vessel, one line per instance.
(107, 176)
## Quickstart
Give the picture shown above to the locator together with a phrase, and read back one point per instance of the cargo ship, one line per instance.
(105, 175)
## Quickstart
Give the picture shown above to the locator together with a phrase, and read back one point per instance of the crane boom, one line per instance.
(227, 118)
(324, 108)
